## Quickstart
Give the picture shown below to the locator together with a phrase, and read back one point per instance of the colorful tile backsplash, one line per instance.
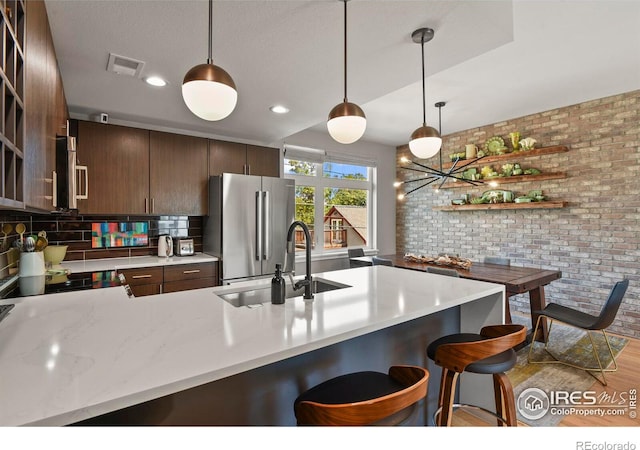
(76, 232)
(119, 234)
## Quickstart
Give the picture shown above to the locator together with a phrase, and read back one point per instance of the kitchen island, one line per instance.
(192, 358)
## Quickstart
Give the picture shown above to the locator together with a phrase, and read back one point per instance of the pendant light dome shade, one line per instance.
(425, 142)
(346, 123)
(209, 92)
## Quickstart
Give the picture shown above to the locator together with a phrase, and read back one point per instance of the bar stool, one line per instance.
(490, 352)
(363, 398)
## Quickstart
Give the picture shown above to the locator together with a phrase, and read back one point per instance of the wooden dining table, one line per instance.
(516, 279)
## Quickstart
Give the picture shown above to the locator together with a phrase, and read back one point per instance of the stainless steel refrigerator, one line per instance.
(247, 224)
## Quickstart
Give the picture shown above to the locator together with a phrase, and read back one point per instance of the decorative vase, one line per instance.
(515, 140)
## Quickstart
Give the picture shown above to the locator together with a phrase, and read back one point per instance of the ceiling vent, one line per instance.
(124, 66)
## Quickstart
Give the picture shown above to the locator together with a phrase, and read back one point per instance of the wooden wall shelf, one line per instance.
(506, 180)
(511, 156)
(501, 206)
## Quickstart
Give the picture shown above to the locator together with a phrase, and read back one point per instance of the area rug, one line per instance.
(567, 343)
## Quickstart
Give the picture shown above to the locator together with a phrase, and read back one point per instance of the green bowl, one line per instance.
(55, 253)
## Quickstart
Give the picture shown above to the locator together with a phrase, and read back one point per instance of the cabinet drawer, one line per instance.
(185, 285)
(188, 272)
(145, 289)
(143, 275)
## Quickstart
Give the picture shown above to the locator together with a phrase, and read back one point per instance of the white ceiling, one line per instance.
(489, 60)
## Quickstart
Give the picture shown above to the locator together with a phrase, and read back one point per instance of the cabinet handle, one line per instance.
(191, 271)
(153, 205)
(146, 205)
(136, 277)
(85, 170)
(54, 191)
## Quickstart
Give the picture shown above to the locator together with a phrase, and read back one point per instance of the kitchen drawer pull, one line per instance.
(191, 271)
(135, 277)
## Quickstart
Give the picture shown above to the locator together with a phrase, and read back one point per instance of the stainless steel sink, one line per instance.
(255, 296)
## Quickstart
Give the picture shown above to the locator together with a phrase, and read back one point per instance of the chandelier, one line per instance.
(433, 175)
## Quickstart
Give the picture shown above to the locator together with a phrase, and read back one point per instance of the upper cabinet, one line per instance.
(12, 85)
(232, 157)
(136, 171)
(178, 174)
(45, 106)
(118, 168)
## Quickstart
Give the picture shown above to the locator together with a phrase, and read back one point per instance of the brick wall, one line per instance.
(594, 241)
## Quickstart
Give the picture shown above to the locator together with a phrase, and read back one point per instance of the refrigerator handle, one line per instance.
(259, 225)
(267, 225)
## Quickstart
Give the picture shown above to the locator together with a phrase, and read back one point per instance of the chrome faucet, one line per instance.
(308, 295)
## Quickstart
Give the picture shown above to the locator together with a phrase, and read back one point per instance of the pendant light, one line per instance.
(347, 121)
(208, 90)
(433, 175)
(425, 141)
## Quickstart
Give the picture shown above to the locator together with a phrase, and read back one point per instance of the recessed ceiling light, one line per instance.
(279, 109)
(155, 81)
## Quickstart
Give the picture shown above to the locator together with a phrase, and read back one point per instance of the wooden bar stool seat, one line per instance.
(363, 398)
(490, 352)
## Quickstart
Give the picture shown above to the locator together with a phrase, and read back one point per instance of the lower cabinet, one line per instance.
(157, 280)
(189, 276)
(144, 280)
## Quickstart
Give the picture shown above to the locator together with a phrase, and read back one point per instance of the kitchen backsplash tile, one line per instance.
(75, 231)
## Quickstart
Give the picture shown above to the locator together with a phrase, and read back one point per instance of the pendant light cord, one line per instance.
(345, 50)
(210, 58)
(440, 105)
(424, 95)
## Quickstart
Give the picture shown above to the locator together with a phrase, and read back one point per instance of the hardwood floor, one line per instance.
(626, 378)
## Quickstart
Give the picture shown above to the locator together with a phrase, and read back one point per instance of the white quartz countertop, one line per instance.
(93, 265)
(70, 356)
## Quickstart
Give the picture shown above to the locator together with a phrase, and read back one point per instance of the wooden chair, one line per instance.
(587, 322)
(443, 271)
(501, 261)
(490, 352)
(381, 261)
(363, 398)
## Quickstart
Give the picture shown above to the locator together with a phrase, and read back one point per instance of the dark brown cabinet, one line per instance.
(233, 157)
(136, 171)
(178, 174)
(45, 107)
(189, 276)
(118, 168)
(144, 281)
(157, 280)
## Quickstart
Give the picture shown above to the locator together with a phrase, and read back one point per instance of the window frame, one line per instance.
(319, 182)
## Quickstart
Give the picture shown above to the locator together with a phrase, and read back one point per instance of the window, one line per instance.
(334, 199)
